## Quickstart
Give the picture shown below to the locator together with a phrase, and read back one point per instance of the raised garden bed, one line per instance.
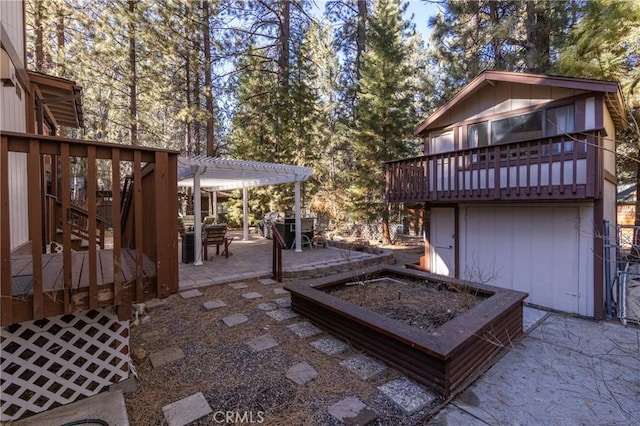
(445, 356)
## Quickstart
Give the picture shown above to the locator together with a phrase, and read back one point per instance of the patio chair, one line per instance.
(216, 235)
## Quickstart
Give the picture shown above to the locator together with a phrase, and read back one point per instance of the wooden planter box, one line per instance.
(447, 359)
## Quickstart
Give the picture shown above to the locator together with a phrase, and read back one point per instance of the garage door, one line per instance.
(537, 250)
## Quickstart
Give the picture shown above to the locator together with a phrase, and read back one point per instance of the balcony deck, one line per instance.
(553, 169)
(43, 207)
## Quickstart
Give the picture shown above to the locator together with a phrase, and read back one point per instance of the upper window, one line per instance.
(560, 120)
(442, 142)
(517, 127)
(478, 134)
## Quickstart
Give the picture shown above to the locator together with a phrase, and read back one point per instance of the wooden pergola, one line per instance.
(218, 174)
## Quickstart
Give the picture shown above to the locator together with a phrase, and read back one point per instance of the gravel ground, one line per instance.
(219, 363)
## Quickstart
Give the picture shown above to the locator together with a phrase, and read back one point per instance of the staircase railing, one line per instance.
(278, 244)
(77, 217)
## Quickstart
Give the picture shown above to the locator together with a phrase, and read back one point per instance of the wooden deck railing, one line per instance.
(555, 168)
(145, 266)
(278, 245)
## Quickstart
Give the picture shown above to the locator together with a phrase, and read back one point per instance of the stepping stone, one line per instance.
(252, 295)
(301, 373)
(280, 291)
(261, 343)
(190, 294)
(213, 304)
(158, 359)
(267, 306)
(282, 314)
(186, 410)
(233, 320)
(304, 329)
(363, 366)
(330, 346)
(408, 396)
(238, 286)
(284, 302)
(352, 411)
(266, 281)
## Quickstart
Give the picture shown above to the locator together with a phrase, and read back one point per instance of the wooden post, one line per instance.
(137, 216)
(92, 213)
(35, 222)
(5, 240)
(65, 194)
(164, 224)
(116, 228)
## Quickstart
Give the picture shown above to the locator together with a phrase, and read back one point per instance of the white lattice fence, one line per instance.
(58, 360)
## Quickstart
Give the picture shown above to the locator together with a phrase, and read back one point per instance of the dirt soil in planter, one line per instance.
(416, 303)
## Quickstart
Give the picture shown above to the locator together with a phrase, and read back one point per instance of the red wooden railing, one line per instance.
(278, 245)
(561, 167)
(142, 267)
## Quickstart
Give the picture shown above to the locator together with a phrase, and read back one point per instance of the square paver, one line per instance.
(330, 346)
(267, 306)
(261, 343)
(190, 294)
(408, 396)
(282, 314)
(158, 359)
(304, 329)
(352, 411)
(213, 304)
(186, 410)
(252, 295)
(266, 281)
(238, 286)
(301, 373)
(280, 291)
(363, 366)
(233, 320)
(284, 302)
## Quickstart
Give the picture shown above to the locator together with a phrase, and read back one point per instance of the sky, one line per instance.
(421, 10)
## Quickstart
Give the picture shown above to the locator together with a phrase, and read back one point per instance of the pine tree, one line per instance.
(384, 110)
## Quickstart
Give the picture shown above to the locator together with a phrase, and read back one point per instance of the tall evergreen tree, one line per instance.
(384, 110)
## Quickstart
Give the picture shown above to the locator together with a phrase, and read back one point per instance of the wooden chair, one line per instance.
(216, 235)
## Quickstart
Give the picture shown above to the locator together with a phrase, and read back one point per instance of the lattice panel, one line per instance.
(61, 359)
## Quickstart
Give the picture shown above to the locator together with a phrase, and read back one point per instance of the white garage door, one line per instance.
(539, 250)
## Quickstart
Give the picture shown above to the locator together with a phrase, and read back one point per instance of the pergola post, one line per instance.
(197, 221)
(245, 214)
(214, 208)
(298, 220)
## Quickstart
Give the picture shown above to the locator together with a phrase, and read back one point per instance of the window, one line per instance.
(560, 120)
(518, 127)
(478, 135)
(442, 142)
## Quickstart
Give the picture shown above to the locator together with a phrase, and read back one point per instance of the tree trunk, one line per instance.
(62, 71)
(133, 77)
(495, 42)
(361, 35)
(208, 90)
(283, 57)
(37, 26)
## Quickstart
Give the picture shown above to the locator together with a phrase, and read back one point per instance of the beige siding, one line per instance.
(502, 98)
(13, 118)
(609, 143)
(546, 251)
(18, 192)
(11, 16)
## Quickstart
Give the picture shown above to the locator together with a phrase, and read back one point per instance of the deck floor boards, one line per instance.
(52, 268)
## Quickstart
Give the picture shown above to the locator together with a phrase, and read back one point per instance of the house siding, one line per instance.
(13, 118)
(539, 249)
(503, 97)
